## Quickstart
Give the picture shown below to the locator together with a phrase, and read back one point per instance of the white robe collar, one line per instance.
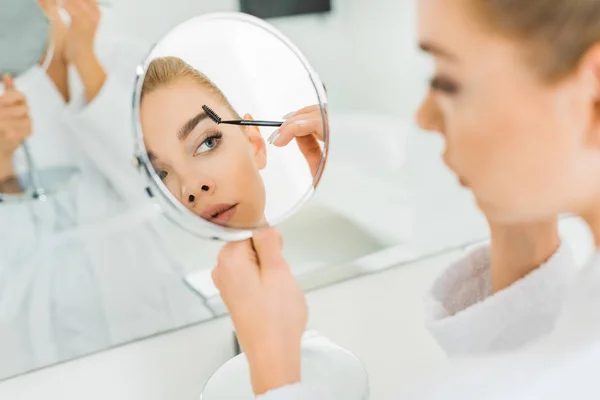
(465, 319)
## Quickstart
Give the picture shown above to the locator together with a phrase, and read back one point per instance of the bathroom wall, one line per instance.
(365, 51)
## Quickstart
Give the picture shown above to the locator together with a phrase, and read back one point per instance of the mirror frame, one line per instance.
(173, 209)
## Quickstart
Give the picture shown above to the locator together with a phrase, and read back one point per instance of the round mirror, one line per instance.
(24, 37)
(231, 125)
(27, 46)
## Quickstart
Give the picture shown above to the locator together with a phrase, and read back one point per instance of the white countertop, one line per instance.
(378, 317)
(175, 366)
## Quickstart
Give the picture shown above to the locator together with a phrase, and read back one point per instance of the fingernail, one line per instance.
(289, 115)
(274, 136)
(302, 122)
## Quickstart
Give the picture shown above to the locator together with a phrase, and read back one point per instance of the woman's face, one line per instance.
(212, 169)
(528, 149)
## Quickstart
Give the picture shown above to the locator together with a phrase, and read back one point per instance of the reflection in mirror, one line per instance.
(83, 262)
(238, 139)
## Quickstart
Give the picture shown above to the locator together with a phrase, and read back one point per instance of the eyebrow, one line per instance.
(189, 126)
(433, 49)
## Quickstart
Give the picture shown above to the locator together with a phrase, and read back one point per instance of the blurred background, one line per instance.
(356, 48)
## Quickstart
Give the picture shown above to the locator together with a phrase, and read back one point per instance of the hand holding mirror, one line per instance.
(232, 134)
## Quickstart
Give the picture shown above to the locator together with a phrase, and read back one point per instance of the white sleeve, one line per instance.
(104, 128)
(298, 391)
(467, 319)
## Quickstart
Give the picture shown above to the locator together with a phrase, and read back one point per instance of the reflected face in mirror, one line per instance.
(213, 170)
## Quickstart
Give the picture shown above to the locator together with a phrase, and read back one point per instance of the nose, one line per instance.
(195, 189)
(429, 116)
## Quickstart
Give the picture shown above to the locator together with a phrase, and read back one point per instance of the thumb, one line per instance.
(8, 81)
(268, 245)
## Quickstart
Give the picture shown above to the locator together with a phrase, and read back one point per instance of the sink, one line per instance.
(318, 236)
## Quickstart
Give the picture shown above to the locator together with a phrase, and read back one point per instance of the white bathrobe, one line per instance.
(467, 320)
(88, 269)
(538, 339)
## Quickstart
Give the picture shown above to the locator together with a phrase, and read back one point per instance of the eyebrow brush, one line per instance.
(245, 122)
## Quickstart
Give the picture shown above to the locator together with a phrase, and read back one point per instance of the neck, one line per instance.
(592, 218)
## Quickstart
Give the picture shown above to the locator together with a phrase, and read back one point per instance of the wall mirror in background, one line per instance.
(20, 178)
(83, 264)
(99, 264)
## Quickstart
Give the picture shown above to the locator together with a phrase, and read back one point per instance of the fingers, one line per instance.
(82, 11)
(48, 6)
(237, 263)
(11, 95)
(14, 112)
(296, 127)
(306, 121)
(12, 98)
(302, 111)
(268, 244)
(312, 152)
(9, 83)
(16, 132)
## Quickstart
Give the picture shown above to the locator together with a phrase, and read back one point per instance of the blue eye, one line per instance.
(210, 143)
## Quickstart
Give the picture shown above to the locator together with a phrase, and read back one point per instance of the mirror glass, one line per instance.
(218, 119)
(84, 265)
(26, 53)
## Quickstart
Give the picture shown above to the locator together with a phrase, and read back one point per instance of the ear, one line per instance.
(589, 71)
(257, 142)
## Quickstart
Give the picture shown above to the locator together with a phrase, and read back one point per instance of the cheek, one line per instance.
(513, 154)
(232, 169)
(477, 136)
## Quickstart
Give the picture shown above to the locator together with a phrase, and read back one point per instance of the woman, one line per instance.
(214, 170)
(516, 96)
(87, 269)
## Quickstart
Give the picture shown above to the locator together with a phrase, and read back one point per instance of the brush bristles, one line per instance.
(213, 115)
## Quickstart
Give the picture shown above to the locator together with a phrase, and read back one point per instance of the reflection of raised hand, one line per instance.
(79, 44)
(306, 126)
(79, 40)
(57, 70)
(267, 307)
(74, 43)
(15, 125)
(58, 29)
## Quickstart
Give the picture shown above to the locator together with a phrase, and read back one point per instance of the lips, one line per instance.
(219, 213)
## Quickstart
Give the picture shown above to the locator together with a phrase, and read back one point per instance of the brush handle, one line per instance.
(246, 122)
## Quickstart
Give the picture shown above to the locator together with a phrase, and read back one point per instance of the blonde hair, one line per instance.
(557, 33)
(166, 70)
